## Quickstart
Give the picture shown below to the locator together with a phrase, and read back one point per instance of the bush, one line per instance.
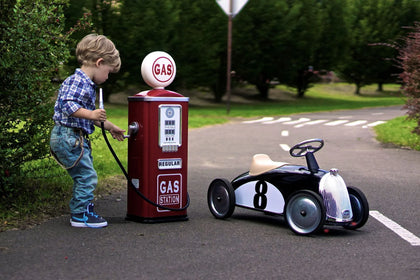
(32, 49)
(409, 60)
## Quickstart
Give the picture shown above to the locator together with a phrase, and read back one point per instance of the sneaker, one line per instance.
(88, 219)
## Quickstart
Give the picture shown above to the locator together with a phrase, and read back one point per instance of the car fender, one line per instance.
(336, 198)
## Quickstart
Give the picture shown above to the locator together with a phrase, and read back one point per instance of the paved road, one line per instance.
(249, 245)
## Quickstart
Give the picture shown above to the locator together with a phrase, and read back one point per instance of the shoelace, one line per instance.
(89, 211)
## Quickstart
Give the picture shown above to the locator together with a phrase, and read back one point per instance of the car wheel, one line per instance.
(305, 212)
(359, 207)
(221, 198)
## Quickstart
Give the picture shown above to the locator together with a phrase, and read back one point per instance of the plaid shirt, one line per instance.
(77, 91)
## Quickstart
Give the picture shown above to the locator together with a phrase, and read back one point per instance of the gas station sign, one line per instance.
(169, 191)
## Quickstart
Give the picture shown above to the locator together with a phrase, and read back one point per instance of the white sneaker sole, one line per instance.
(81, 224)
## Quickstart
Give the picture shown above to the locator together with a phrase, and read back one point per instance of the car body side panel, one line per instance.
(261, 195)
(287, 180)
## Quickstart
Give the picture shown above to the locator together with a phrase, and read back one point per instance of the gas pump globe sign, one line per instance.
(158, 69)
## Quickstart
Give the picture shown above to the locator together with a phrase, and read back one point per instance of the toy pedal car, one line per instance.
(308, 197)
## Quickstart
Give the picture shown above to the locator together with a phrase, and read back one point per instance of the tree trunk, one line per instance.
(357, 92)
(263, 85)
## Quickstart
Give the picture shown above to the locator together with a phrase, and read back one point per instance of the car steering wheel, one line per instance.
(302, 148)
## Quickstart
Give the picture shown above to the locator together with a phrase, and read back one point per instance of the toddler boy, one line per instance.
(75, 116)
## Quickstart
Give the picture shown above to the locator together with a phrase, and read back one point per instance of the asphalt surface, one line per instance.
(249, 245)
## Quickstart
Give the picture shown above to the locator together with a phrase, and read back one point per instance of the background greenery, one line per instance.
(48, 187)
(277, 45)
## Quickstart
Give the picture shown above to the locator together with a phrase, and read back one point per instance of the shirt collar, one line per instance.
(85, 77)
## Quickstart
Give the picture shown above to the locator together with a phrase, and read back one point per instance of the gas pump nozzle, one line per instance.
(133, 128)
(101, 99)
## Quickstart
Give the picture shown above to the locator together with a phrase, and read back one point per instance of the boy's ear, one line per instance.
(99, 62)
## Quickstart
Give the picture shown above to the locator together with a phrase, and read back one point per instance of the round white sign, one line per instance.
(158, 69)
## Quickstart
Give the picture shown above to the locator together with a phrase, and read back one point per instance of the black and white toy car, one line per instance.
(307, 196)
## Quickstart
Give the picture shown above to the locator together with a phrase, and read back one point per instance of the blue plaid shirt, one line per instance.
(77, 91)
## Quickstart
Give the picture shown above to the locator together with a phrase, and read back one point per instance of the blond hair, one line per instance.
(93, 47)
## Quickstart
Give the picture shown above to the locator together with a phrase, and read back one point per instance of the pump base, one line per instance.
(138, 219)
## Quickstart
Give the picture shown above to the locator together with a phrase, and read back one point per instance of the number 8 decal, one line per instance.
(260, 199)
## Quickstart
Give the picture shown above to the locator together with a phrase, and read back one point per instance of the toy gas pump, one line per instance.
(157, 146)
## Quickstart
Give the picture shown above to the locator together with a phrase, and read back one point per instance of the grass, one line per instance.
(48, 187)
(397, 132)
(322, 97)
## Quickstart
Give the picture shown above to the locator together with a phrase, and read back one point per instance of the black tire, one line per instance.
(221, 198)
(305, 212)
(359, 207)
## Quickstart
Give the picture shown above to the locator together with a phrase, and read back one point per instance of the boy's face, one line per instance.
(101, 72)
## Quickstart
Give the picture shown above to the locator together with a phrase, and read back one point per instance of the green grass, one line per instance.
(322, 97)
(398, 132)
(49, 187)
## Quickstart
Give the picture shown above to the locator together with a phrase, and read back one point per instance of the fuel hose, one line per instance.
(131, 183)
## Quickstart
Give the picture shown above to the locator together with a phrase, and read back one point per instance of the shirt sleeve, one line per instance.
(73, 95)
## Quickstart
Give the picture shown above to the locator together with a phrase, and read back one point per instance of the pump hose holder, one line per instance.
(131, 183)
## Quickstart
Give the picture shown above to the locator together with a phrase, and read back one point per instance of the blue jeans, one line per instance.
(73, 152)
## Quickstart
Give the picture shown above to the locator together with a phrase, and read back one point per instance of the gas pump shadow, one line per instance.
(116, 220)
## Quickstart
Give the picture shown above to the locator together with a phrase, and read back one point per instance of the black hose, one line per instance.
(131, 183)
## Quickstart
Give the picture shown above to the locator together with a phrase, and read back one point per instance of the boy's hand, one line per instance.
(117, 133)
(99, 115)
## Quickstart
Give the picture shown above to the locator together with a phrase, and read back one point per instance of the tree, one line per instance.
(286, 39)
(257, 48)
(370, 22)
(199, 46)
(409, 58)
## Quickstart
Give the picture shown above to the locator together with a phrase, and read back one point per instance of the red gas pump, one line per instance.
(158, 146)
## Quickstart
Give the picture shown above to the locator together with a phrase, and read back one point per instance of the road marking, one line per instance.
(310, 123)
(399, 230)
(355, 123)
(283, 119)
(338, 122)
(285, 147)
(301, 120)
(284, 133)
(373, 124)
(265, 119)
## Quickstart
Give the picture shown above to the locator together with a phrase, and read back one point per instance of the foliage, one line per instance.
(198, 46)
(33, 47)
(370, 22)
(272, 39)
(46, 184)
(409, 57)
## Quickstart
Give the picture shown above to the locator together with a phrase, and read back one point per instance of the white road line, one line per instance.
(399, 230)
(285, 147)
(374, 124)
(355, 123)
(265, 119)
(301, 120)
(284, 133)
(283, 119)
(310, 123)
(338, 122)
